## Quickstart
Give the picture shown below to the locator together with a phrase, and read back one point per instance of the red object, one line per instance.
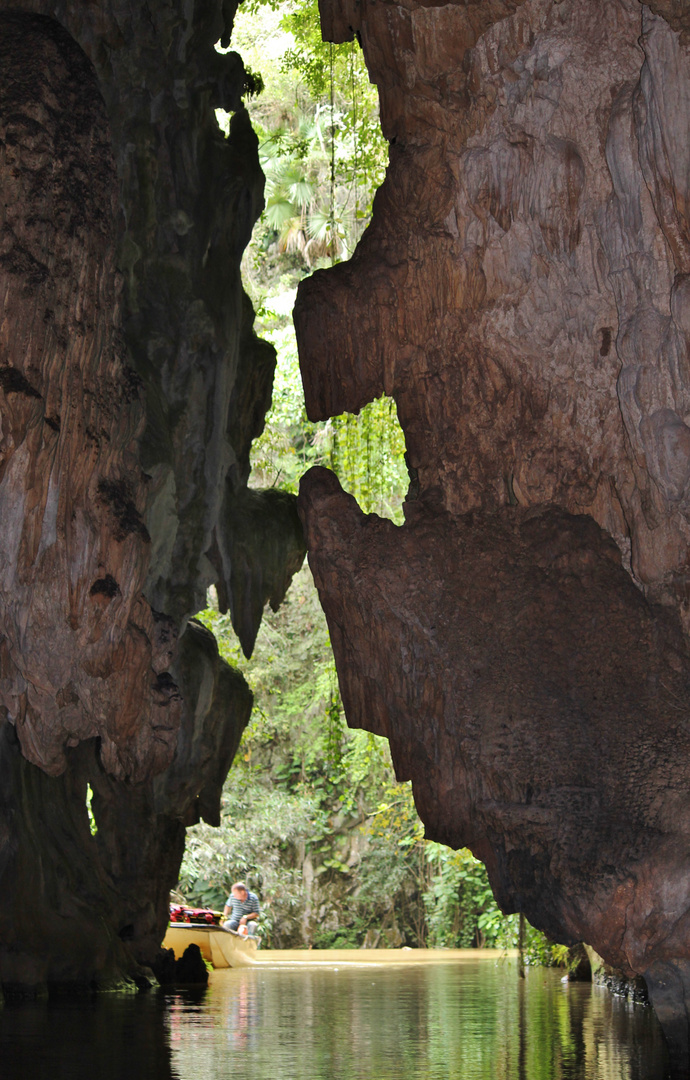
(192, 915)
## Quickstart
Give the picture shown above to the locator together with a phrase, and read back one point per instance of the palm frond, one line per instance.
(301, 192)
(278, 211)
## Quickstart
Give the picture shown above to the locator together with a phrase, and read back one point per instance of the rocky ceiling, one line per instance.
(523, 292)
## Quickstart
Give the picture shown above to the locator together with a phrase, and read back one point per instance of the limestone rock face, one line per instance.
(131, 387)
(522, 293)
(78, 641)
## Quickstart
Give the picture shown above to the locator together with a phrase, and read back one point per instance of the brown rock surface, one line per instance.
(522, 294)
(131, 387)
(77, 639)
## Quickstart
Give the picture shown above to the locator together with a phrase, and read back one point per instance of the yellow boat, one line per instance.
(222, 948)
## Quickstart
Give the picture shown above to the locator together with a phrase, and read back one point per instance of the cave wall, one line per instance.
(131, 387)
(522, 292)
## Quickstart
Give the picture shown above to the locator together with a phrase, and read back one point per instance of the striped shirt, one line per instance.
(243, 907)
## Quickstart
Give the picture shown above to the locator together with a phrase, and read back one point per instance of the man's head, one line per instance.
(239, 889)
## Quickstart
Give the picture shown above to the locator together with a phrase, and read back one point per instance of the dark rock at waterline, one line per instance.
(631, 987)
(163, 967)
(190, 968)
(579, 965)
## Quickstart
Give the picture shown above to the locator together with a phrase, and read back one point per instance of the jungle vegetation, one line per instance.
(313, 817)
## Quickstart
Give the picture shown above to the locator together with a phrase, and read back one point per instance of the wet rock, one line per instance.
(579, 964)
(190, 968)
(631, 988)
(164, 967)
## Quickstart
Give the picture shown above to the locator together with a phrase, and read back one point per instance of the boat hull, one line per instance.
(220, 947)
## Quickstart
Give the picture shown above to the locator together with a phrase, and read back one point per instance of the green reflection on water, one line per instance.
(470, 1020)
(467, 1020)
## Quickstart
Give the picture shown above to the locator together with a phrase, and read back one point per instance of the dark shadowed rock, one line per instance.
(164, 967)
(190, 968)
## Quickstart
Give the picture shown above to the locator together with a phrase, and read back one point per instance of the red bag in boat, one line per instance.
(193, 915)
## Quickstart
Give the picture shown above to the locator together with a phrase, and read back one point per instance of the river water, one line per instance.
(466, 1019)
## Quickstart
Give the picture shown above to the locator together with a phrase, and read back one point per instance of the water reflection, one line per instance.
(473, 1020)
(469, 1021)
(106, 1037)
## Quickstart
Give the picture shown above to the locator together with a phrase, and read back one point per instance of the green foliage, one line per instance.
(337, 79)
(253, 83)
(321, 146)
(348, 937)
(538, 950)
(366, 451)
(92, 820)
(323, 156)
(461, 911)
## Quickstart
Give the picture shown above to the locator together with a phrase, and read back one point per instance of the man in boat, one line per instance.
(242, 909)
